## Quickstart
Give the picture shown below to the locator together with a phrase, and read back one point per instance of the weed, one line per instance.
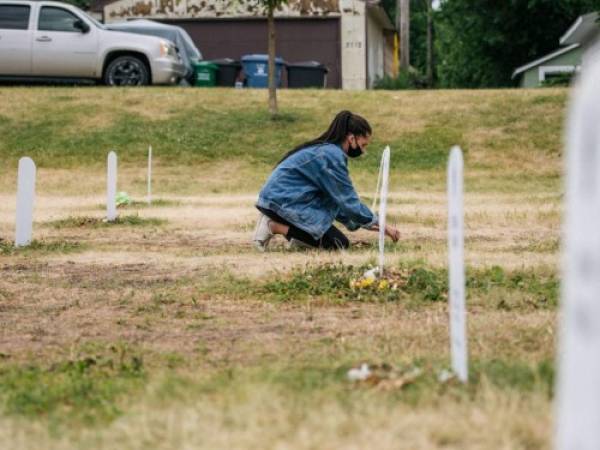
(430, 285)
(541, 290)
(334, 282)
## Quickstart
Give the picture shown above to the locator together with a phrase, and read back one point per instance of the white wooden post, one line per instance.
(25, 202)
(456, 271)
(578, 382)
(111, 187)
(150, 175)
(385, 161)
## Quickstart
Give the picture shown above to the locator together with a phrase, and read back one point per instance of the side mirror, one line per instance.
(81, 26)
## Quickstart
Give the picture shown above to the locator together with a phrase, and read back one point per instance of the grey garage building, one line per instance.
(352, 38)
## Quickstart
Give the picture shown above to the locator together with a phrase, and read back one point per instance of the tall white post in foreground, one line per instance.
(456, 271)
(111, 187)
(578, 382)
(25, 202)
(150, 175)
(385, 173)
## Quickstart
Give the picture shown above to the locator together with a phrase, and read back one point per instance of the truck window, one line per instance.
(57, 19)
(14, 17)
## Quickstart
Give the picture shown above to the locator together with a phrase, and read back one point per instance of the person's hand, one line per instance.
(392, 233)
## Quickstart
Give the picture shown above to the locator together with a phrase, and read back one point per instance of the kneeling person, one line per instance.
(310, 188)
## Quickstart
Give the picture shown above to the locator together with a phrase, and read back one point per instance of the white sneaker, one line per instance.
(262, 233)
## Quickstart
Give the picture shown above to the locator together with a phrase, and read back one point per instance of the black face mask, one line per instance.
(354, 152)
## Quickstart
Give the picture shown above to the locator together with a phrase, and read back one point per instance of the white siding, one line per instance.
(375, 51)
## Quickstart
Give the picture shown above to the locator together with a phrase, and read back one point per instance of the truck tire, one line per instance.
(127, 70)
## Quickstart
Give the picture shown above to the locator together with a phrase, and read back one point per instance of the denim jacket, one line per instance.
(312, 188)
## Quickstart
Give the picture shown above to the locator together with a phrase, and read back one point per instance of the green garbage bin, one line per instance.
(206, 73)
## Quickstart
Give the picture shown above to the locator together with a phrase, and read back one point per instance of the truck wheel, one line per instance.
(127, 71)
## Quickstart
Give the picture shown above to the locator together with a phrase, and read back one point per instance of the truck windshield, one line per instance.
(94, 21)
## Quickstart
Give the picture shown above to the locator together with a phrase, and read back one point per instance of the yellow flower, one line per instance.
(383, 284)
(366, 282)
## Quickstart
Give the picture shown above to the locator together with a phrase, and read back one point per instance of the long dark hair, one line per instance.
(345, 123)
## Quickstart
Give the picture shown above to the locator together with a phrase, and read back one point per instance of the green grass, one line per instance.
(95, 222)
(416, 283)
(156, 203)
(41, 247)
(95, 390)
(263, 356)
(86, 389)
(217, 127)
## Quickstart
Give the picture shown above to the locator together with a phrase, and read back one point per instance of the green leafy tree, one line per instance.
(480, 42)
(422, 29)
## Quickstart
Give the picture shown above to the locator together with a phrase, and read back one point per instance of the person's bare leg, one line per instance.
(278, 228)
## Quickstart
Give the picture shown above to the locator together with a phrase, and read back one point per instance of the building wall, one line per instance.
(353, 44)
(390, 61)
(572, 59)
(297, 40)
(375, 51)
(343, 51)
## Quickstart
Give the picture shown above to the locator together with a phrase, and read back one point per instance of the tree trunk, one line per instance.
(403, 16)
(429, 73)
(272, 82)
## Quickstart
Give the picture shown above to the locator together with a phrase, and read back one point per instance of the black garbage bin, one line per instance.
(309, 74)
(229, 69)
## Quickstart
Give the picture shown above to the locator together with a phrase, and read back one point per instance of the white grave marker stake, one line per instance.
(385, 162)
(456, 273)
(111, 187)
(378, 188)
(578, 382)
(25, 200)
(150, 175)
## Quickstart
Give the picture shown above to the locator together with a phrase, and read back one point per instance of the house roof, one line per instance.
(543, 59)
(192, 9)
(374, 6)
(584, 28)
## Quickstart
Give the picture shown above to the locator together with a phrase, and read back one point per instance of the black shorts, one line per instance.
(333, 239)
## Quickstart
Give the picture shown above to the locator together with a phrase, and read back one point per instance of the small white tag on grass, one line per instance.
(456, 273)
(385, 173)
(111, 187)
(150, 175)
(578, 381)
(25, 202)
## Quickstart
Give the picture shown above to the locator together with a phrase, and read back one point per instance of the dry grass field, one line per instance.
(168, 330)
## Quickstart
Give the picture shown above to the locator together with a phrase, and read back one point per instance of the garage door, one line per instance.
(297, 40)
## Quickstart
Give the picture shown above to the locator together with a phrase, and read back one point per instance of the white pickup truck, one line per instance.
(42, 40)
